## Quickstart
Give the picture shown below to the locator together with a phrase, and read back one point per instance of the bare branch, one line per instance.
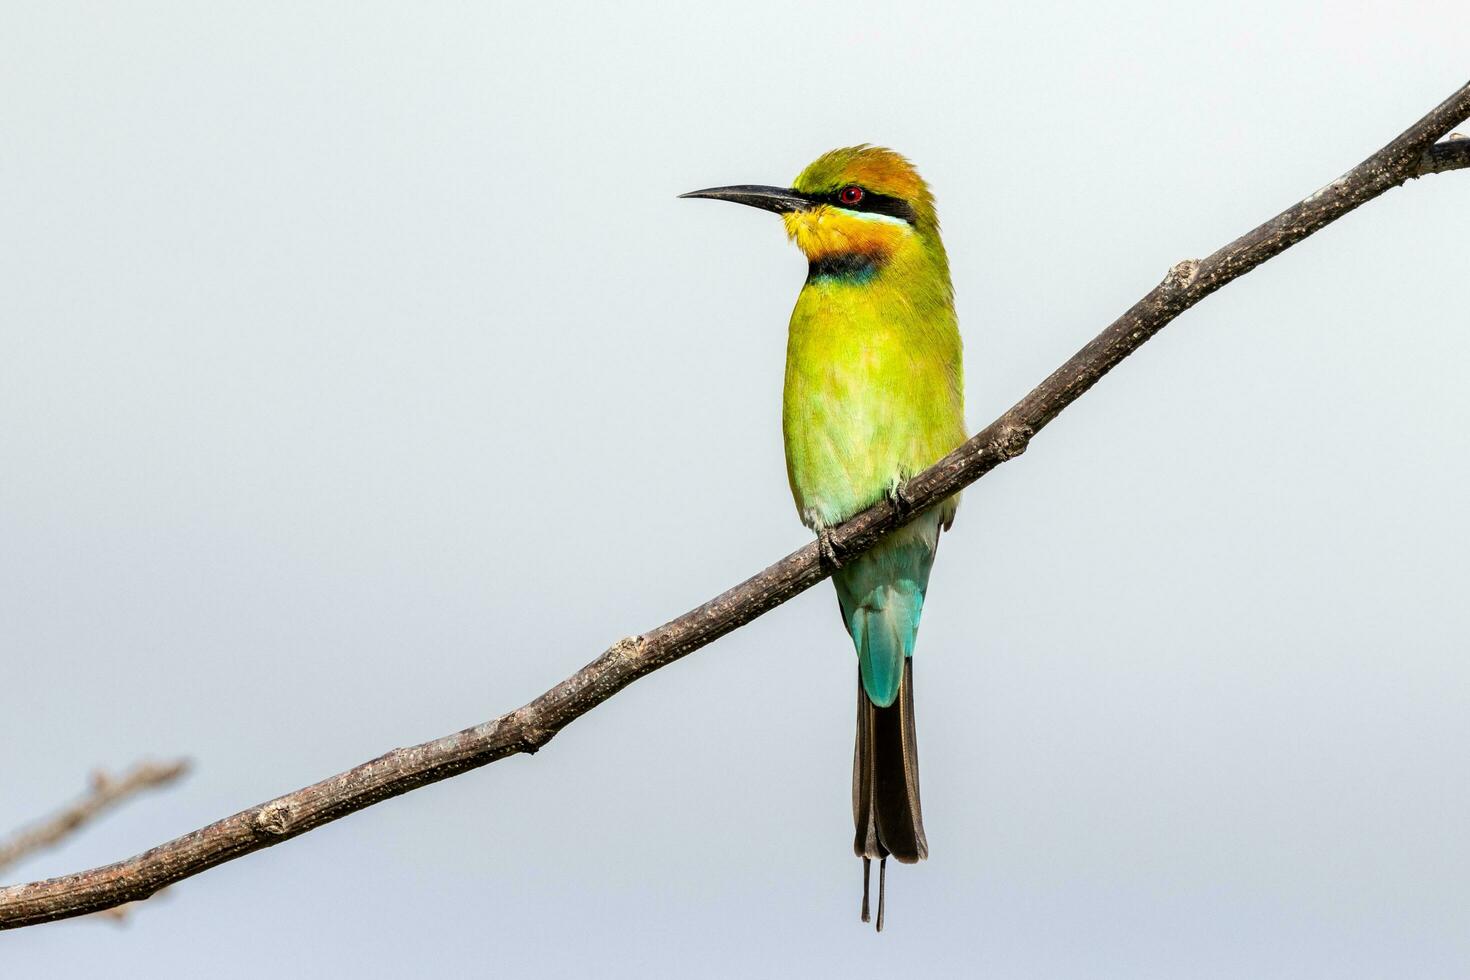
(104, 793)
(526, 729)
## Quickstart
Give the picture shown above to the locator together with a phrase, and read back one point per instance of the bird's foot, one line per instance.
(898, 496)
(827, 550)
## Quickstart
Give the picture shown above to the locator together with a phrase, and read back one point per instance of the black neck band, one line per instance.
(858, 266)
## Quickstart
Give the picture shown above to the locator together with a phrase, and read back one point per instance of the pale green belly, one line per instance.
(864, 408)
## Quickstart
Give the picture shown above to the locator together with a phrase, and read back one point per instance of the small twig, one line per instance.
(104, 793)
(1451, 154)
(1412, 154)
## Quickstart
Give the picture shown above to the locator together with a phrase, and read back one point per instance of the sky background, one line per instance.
(361, 377)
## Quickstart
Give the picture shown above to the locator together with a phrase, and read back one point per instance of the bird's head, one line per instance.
(858, 207)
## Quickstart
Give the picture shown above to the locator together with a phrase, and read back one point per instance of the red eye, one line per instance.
(850, 195)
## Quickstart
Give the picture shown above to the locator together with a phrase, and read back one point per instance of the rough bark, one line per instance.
(1412, 154)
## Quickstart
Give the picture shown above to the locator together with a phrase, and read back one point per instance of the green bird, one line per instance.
(874, 394)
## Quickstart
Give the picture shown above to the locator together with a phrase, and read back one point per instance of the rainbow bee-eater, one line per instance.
(874, 394)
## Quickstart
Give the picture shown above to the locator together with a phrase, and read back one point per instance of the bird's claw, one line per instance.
(827, 550)
(898, 496)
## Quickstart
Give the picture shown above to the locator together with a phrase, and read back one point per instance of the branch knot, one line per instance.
(274, 818)
(1011, 441)
(629, 649)
(1182, 274)
(532, 736)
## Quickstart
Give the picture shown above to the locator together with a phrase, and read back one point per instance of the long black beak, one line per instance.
(779, 199)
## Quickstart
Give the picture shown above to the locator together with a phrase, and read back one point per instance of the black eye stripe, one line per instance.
(895, 207)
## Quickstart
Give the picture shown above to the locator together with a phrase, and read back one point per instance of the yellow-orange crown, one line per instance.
(874, 168)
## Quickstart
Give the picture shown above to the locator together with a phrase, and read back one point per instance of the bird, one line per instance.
(874, 393)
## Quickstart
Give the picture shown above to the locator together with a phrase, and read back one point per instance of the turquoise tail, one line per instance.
(882, 598)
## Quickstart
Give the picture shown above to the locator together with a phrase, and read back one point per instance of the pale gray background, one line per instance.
(360, 376)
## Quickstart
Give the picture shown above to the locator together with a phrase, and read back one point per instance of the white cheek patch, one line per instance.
(874, 216)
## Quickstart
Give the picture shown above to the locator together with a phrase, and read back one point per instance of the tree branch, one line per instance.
(1412, 154)
(104, 793)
